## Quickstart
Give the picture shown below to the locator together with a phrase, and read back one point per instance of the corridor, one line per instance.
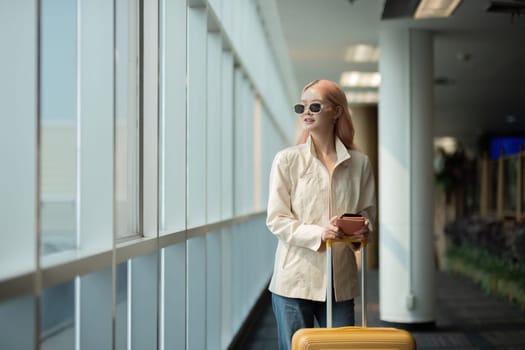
(466, 318)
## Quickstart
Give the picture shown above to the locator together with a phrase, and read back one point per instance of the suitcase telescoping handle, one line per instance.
(329, 280)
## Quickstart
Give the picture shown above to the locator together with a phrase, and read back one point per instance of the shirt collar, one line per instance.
(340, 149)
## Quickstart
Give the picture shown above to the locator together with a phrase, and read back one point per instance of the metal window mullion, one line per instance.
(38, 177)
(114, 185)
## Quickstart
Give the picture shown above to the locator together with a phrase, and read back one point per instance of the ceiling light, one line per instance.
(360, 79)
(362, 97)
(436, 8)
(362, 53)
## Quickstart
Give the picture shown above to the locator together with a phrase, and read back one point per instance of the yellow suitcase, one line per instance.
(351, 337)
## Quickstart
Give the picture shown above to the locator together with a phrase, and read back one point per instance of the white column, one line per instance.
(406, 274)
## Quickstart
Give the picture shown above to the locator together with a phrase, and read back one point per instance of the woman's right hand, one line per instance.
(331, 231)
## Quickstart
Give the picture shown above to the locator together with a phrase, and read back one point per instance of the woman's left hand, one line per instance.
(363, 233)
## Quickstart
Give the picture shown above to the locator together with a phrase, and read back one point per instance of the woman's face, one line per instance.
(323, 121)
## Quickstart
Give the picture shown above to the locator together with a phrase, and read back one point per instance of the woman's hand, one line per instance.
(363, 233)
(331, 231)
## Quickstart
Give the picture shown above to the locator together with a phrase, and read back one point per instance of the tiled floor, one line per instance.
(466, 319)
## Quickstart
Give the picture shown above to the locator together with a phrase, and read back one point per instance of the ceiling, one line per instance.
(479, 58)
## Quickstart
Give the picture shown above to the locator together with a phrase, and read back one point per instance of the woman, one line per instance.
(311, 184)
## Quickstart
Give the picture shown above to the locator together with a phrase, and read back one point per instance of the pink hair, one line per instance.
(344, 128)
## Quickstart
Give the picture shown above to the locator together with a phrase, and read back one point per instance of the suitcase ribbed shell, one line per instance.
(353, 338)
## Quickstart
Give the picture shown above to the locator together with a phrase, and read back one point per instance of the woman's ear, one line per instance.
(338, 112)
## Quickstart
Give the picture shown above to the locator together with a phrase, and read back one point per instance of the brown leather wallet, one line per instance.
(350, 224)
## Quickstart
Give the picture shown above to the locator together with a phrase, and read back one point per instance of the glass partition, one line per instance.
(58, 167)
(57, 317)
(127, 128)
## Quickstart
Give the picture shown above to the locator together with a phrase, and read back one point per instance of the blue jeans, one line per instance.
(292, 314)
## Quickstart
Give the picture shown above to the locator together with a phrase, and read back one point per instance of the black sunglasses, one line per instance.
(312, 107)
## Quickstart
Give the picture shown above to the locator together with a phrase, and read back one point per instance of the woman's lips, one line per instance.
(308, 120)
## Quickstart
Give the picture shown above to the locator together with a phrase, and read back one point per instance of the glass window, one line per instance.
(196, 117)
(57, 317)
(213, 290)
(243, 138)
(17, 324)
(172, 112)
(259, 203)
(227, 185)
(95, 124)
(149, 120)
(58, 122)
(196, 299)
(77, 103)
(94, 305)
(18, 148)
(172, 333)
(122, 306)
(143, 287)
(214, 127)
(127, 109)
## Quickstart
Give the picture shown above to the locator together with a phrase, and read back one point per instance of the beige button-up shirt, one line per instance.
(302, 199)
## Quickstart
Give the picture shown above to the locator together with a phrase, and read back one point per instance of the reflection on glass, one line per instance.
(58, 125)
(126, 116)
(121, 314)
(57, 317)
